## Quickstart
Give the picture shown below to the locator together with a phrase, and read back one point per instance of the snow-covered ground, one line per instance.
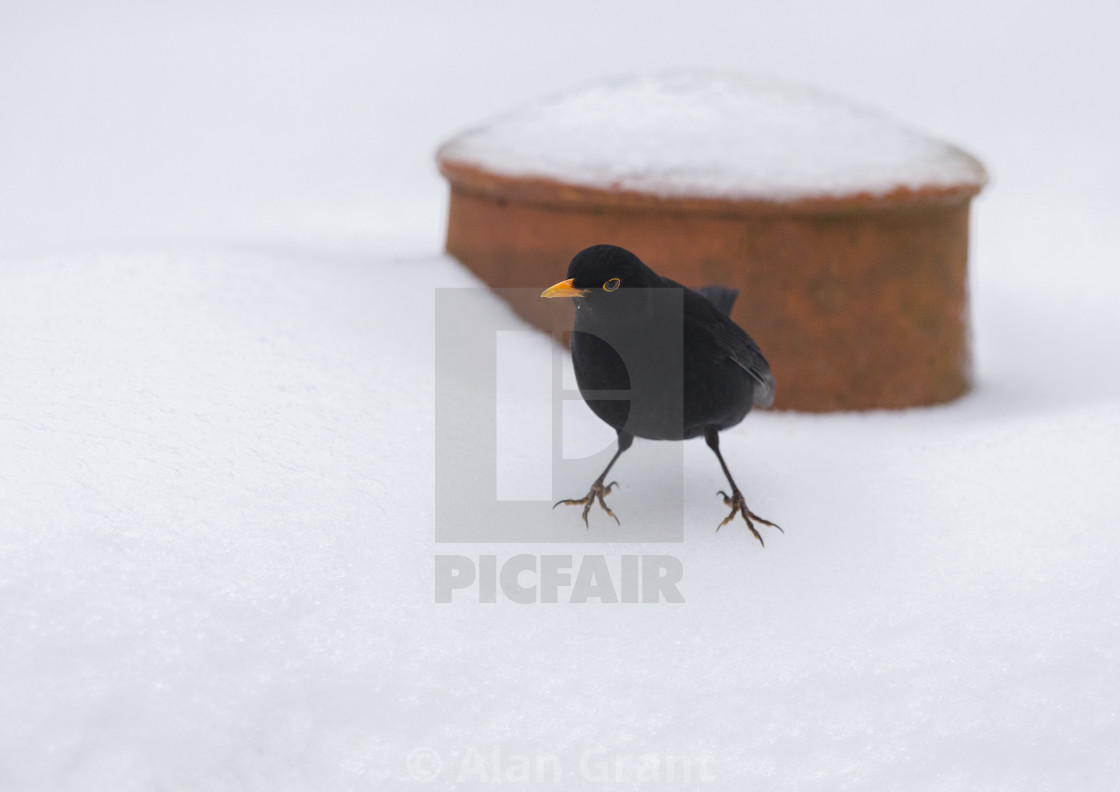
(219, 241)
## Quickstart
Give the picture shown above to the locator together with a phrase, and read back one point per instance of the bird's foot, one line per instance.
(739, 506)
(596, 494)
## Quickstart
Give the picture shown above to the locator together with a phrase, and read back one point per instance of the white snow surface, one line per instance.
(219, 235)
(712, 136)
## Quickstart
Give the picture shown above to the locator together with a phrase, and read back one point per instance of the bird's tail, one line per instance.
(720, 296)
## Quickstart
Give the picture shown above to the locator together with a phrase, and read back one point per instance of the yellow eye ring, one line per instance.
(612, 284)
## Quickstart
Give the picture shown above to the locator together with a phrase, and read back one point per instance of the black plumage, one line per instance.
(656, 360)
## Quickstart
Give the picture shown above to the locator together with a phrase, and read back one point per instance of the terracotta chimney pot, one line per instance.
(846, 234)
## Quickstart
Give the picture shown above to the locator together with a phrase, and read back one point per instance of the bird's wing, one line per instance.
(734, 343)
(742, 349)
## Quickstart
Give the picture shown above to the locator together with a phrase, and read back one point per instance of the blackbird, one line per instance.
(669, 391)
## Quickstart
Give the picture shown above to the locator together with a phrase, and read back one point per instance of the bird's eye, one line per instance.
(612, 284)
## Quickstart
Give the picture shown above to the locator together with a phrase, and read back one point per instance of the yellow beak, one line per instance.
(563, 289)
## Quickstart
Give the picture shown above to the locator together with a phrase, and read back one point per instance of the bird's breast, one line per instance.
(632, 386)
(656, 392)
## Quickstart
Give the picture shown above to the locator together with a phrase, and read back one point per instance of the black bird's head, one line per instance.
(598, 272)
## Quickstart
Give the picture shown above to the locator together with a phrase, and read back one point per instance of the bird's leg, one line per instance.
(735, 499)
(598, 490)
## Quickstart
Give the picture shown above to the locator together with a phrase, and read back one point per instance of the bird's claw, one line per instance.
(739, 506)
(597, 492)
